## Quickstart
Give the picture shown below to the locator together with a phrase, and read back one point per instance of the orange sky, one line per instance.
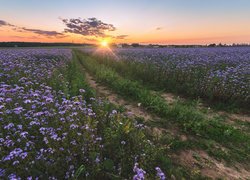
(145, 21)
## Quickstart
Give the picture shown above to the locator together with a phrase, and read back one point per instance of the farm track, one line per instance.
(196, 160)
(238, 120)
(131, 108)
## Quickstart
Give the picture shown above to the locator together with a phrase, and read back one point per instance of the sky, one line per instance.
(126, 21)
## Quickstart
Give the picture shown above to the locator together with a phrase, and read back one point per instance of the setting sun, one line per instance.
(104, 43)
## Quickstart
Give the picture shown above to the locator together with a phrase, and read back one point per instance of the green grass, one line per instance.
(188, 118)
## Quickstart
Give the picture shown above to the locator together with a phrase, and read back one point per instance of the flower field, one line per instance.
(53, 125)
(124, 90)
(222, 136)
(46, 133)
(214, 73)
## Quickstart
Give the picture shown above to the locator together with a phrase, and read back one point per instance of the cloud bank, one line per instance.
(88, 27)
(4, 23)
(35, 31)
(43, 32)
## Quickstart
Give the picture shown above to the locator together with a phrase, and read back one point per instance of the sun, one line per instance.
(104, 43)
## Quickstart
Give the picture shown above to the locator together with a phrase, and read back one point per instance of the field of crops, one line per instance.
(50, 131)
(214, 73)
(55, 125)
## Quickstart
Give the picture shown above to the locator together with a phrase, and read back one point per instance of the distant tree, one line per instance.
(220, 45)
(125, 45)
(212, 45)
(37, 44)
(135, 45)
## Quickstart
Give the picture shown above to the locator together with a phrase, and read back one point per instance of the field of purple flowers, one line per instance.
(208, 129)
(46, 133)
(52, 126)
(215, 73)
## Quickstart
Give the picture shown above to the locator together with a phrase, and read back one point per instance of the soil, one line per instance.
(170, 98)
(240, 117)
(201, 162)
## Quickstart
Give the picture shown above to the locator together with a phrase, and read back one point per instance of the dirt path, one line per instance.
(132, 109)
(233, 116)
(196, 160)
(201, 162)
(230, 117)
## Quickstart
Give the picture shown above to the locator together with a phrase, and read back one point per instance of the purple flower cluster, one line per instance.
(160, 174)
(140, 173)
(223, 72)
(39, 127)
(44, 133)
(22, 65)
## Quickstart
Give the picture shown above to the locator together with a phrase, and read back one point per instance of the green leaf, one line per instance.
(79, 171)
(108, 164)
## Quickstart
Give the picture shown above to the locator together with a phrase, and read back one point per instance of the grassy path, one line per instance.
(215, 147)
(115, 128)
(132, 109)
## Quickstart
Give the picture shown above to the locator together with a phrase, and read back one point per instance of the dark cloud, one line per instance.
(85, 27)
(121, 36)
(36, 31)
(17, 29)
(4, 23)
(88, 27)
(43, 32)
(158, 28)
(21, 37)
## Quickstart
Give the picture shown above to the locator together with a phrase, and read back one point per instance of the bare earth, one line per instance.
(200, 161)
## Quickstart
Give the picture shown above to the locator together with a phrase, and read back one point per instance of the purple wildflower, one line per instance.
(139, 172)
(2, 172)
(81, 90)
(160, 174)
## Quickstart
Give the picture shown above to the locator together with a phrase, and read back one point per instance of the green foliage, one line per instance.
(79, 171)
(69, 79)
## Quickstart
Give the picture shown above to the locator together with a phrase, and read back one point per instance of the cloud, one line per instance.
(91, 39)
(88, 27)
(91, 27)
(43, 32)
(121, 36)
(36, 31)
(4, 23)
(158, 28)
(21, 37)
(17, 29)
